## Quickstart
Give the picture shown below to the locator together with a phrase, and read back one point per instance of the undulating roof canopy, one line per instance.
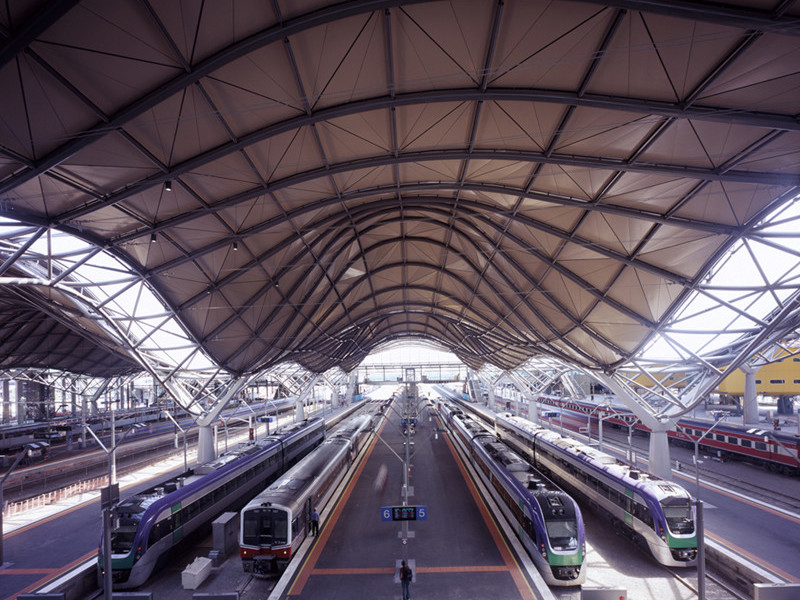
(304, 180)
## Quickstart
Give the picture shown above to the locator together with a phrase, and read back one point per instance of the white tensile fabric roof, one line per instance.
(510, 179)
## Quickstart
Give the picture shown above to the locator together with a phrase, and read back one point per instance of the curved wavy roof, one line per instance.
(304, 181)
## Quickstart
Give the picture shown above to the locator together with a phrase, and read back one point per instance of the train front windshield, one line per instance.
(678, 513)
(122, 539)
(563, 534)
(264, 527)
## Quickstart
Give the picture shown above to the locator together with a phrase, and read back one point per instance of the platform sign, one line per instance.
(109, 496)
(404, 513)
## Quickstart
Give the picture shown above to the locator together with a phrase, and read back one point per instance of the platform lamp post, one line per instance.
(699, 526)
(631, 453)
(275, 406)
(183, 433)
(23, 453)
(600, 427)
(589, 419)
(108, 496)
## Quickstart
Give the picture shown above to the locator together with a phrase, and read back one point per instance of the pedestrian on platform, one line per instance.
(406, 575)
(314, 522)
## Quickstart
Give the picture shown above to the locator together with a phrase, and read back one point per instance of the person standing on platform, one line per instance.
(314, 522)
(406, 575)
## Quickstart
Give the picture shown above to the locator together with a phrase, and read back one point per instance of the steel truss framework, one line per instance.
(301, 183)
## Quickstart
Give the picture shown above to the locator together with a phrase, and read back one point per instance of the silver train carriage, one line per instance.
(148, 525)
(277, 520)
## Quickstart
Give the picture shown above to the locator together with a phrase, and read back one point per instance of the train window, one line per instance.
(265, 526)
(562, 534)
(747, 443)
(122, 539)
(732, 440)
(642, 513)
(719, 437)
(698, 432)
(761, 446)
(678, 513)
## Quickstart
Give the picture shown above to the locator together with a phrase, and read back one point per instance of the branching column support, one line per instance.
(490, 391)
(525, 392)
(659, 464)
(205, 423)
(300, 413)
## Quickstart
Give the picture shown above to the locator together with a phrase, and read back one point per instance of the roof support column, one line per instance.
(351, 386)
(525, 391)
(206, 448)
(659, 464)
(299, 409)
(491, 403)
(6, 401)
(750, 400)
(659, 451)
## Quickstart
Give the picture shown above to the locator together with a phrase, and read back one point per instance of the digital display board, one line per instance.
(404, 513)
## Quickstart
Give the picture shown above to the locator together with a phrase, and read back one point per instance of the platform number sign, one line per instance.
(404, 513)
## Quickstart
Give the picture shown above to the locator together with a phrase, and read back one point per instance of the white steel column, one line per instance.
(749, 402)
(659, 451)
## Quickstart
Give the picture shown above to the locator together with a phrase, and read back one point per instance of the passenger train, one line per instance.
(776, 449)
(147, 526)
(655, 513)
(546, 519)
(277, 520)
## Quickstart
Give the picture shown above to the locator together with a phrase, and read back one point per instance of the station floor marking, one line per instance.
(50, 574)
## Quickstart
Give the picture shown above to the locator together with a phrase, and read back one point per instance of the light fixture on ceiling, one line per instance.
(235, 246)
(168, 185)
(152, 238)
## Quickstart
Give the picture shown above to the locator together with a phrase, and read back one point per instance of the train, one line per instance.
(775, 449)
(148, 526)
(277, 520)
(657, 514)
(546, 519)
(58, 429)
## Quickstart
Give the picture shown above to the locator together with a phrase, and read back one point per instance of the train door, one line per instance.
(309, 506)
(177, 524)
(629, 508)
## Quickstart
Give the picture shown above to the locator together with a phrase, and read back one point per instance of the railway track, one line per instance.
(789, 501)
(716, 588)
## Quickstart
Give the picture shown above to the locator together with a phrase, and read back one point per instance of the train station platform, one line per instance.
(457, 552)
